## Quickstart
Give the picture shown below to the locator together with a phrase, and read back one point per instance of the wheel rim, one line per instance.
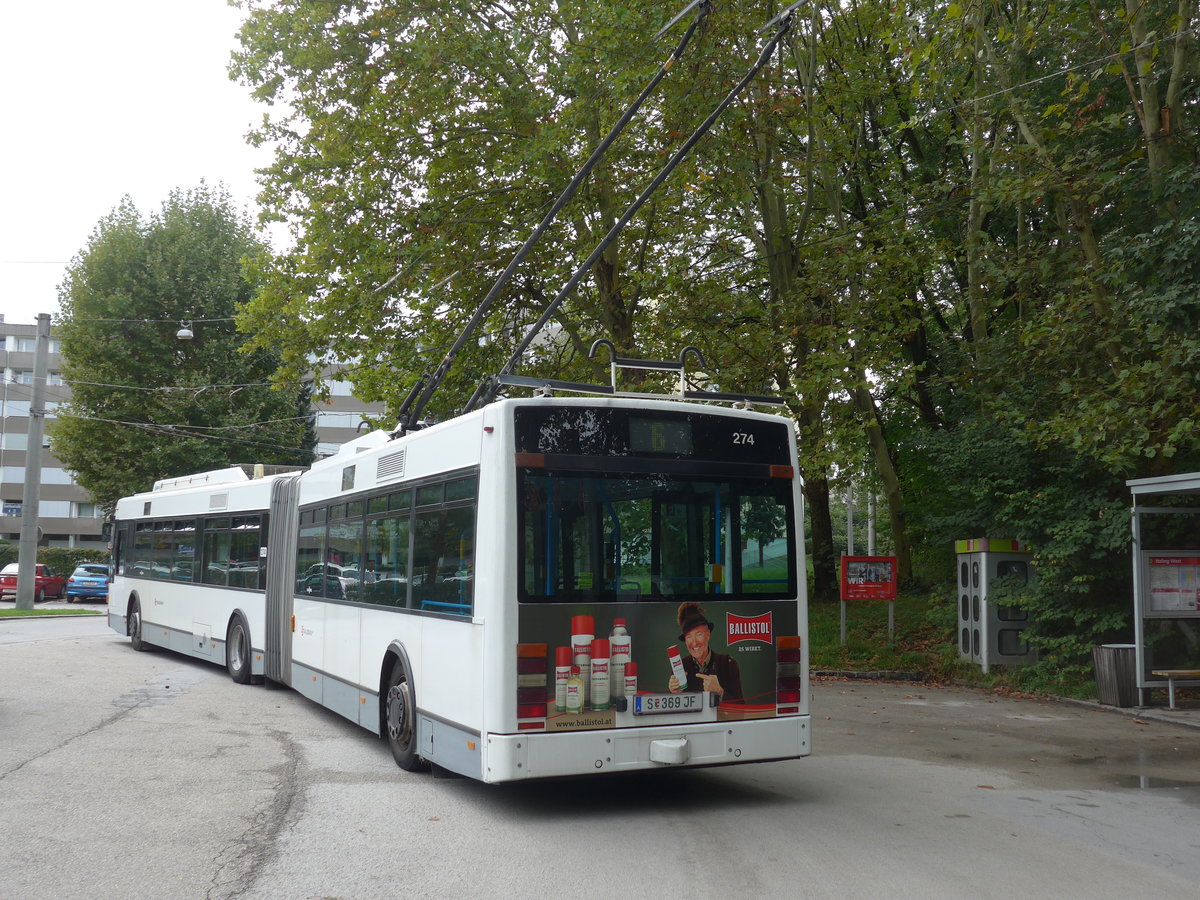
(135, 624)
(399, 714)
(236, 650)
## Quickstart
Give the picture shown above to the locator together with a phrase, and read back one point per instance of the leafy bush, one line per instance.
(60, 559)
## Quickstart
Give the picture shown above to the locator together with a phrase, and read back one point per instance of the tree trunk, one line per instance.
(885, 464)
(824, 560)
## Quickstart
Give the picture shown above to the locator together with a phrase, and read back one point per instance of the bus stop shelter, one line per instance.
(1166, 582)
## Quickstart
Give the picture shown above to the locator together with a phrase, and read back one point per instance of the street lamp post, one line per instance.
(27, 552)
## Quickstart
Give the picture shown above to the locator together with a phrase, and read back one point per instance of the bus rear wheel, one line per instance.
(400, 720)
(237, 651)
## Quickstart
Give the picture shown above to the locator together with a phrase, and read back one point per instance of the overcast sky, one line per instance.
(104, 99)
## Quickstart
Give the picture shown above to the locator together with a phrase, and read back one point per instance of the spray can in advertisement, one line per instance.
(598, 698)
(583, 632)
(575, 691)
(630, 679)
(562, 671)
(677, 666)
(621, 651)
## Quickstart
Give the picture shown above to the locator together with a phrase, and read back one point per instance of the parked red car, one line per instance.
(48, 584)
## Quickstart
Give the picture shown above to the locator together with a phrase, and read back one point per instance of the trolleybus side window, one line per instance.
(344, 551)
(443, 560)
(183, 551)
(385, 575)
(310, 554)
(143, 550)
(217, 552)
(443, 541)
(412, 548)
(245, 567)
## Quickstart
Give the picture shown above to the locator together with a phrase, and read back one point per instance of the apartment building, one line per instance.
(67, 516)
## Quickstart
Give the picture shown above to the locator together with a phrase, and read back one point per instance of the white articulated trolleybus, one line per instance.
(537, 587)
(422, 586)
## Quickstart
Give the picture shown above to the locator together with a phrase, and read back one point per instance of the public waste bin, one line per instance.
(1116, 673)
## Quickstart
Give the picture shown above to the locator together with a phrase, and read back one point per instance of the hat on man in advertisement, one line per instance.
(691, 615)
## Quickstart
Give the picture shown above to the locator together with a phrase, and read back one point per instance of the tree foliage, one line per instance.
(961, 239)
(146, 405)
(418, 145)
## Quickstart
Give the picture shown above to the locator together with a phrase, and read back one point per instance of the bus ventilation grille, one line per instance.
(391, 466)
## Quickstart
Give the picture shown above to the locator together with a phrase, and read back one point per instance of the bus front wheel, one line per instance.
(135, 626)
(400, 720)
(237, 651)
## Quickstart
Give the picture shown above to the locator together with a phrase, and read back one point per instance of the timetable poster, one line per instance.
(1174, 583)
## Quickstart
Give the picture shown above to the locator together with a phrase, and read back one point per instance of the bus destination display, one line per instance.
(660, 436)
(609, 432)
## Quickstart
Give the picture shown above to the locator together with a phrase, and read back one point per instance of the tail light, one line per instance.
(788, 677)
(532, 684)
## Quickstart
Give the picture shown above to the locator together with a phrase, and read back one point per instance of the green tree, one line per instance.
(418, 144)
(146, 405)
(1071, 366)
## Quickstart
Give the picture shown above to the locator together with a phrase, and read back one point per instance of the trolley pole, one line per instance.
(27, 549)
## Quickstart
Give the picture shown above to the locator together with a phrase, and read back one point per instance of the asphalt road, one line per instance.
(148, 775)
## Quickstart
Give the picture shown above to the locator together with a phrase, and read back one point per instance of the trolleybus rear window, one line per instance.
(628, 504)
(600, 537)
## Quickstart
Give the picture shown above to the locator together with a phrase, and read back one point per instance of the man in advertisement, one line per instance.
(706, 670)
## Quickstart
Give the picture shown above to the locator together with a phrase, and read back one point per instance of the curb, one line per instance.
(869, 676)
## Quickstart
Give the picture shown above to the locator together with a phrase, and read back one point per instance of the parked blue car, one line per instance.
(89, 581)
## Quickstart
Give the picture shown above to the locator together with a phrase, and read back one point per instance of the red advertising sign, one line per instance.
(749, 628)
(868, 578)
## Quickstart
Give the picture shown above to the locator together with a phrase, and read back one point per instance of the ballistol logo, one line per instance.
(749, 628)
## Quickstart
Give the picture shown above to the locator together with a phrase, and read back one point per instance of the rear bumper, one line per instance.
(90, 593)
(515, 757)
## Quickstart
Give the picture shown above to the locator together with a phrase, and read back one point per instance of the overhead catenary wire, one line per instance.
(180, 432)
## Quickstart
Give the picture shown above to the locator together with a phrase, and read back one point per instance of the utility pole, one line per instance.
(27, 550)
(850, 517)
(871, 523)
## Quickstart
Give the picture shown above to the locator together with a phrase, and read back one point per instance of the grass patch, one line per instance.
(924, 644)
(38, 613)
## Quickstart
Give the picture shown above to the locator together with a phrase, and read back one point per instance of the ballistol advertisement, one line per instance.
(609, 664)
